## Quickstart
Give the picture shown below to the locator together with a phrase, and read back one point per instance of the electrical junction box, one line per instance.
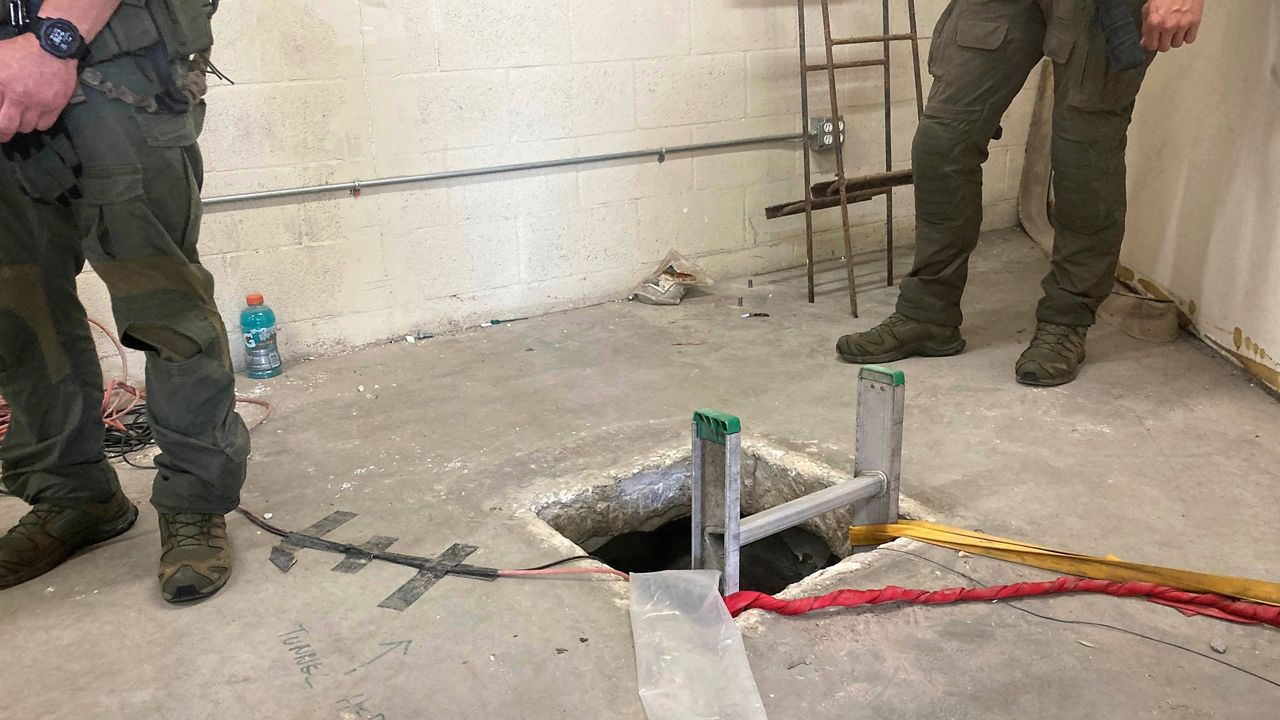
(822, 133)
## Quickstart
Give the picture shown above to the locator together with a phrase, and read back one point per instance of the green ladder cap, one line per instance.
(883, 374)
(714, 426)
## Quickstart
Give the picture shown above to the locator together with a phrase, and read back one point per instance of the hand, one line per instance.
(35, 86)
(1170, 23)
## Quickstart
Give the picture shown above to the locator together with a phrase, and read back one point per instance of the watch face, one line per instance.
(61, 36)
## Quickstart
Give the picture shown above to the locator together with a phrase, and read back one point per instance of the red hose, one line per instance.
(1192, 603)
(558, 572)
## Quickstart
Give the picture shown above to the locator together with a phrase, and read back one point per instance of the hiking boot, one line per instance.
(195, 557)
(1054, 357)
(49, 534)
(899, 337)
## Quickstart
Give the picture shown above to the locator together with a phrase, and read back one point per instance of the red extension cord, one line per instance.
(1188, 603)
(1223, 608)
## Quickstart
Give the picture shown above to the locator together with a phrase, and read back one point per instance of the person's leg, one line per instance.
(1091, 115)
(140, 216)
(1092, 110)
(49, 371)
(980, 59)
(51, 455)
(981, 55)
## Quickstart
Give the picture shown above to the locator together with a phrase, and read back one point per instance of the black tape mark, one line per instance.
(409, 593)
(283, 555)
(355, 562)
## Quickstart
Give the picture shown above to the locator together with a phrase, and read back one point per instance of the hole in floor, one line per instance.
(637, 517)
(768, 565)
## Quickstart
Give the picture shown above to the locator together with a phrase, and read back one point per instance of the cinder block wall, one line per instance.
(336, 90)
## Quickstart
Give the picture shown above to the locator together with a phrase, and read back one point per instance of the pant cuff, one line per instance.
(934, 314)
(77, 485)
(221, 508)
(1075, 313)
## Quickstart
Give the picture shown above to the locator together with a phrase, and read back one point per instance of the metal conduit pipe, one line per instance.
(354, 187)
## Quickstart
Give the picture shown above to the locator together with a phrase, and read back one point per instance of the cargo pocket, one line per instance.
(175, 158)
(130, 29)
(1095, 86)
(965, 48)
(951, 46)
(171, 130)
(185, 25)
(108, 194)
(980, 34)
(938, 42)
(111, 185)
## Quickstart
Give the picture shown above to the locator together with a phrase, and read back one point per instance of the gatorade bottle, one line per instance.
(258, 323)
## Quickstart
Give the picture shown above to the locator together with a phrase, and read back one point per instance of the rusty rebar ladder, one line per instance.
(845, 190)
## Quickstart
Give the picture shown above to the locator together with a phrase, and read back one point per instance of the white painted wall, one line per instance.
(336, 90)
(1204, 182)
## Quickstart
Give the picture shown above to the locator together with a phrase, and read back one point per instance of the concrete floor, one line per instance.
(1164, 454)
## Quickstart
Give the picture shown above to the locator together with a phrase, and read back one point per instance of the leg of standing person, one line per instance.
(980, 58)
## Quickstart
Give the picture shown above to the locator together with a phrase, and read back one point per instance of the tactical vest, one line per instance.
(182, 25)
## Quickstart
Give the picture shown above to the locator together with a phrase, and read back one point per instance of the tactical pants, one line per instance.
(117, 185)
(982, 53)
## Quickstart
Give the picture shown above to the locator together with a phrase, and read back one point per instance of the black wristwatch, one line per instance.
(60, 38)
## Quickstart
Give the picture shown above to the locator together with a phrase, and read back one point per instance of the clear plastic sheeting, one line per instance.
(690, 656)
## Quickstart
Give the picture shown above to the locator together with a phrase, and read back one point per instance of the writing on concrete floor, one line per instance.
(354, 707)
(402, 645)
(306, 657)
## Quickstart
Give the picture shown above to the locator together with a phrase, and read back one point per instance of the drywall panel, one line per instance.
(1204, 183)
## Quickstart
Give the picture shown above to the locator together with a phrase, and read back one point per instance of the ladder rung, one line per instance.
(872, 39)
(845, 65)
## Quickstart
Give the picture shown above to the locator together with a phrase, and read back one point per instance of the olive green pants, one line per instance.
(116, 185)
(982, 53)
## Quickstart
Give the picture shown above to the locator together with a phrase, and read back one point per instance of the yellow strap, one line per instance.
(1108, 568)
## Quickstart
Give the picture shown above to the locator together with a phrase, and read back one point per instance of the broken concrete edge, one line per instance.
(578, 512)
(842, 573)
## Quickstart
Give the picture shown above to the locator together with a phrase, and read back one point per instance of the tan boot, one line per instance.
(195, 557)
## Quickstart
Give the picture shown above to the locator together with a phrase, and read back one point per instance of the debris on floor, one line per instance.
(668, 284)
(1142, 318)
(491, 323)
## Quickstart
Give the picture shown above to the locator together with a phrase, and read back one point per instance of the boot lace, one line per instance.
(1061, 340)
(889, 326)
(187, 529)
(34, 521)
(894, 320)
